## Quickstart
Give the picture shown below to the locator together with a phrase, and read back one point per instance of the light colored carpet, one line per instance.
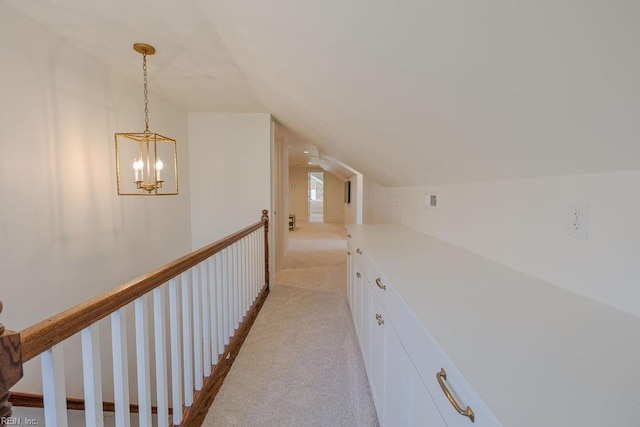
(300, 364)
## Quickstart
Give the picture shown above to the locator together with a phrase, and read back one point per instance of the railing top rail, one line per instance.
(43, 335)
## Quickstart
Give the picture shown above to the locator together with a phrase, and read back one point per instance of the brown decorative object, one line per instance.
(10, 366)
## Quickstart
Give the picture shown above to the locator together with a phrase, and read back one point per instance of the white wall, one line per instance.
(230, 157)
(523, 224)
(65, 235)
(281, 169)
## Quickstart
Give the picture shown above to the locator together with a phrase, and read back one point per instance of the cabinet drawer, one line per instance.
(389, 298)
(359, 254)
(429, 360)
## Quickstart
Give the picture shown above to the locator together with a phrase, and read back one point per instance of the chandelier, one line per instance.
(147, 162)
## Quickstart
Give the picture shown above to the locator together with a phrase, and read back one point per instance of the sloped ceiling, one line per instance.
(407, 92)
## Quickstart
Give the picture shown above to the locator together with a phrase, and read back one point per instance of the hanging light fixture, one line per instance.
(142, 158)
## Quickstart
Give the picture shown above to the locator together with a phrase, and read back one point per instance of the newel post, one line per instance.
(10, 367)
(265, 219)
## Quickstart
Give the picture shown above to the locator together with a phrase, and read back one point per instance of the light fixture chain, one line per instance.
(146, 94)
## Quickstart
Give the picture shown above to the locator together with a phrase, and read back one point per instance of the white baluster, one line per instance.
(206, 319)
(142, 357)
(220, 300)
(187, 341)
(262, 276)
(227, 295)
(247, 263)
(254, 271)
(233, 289)
(245, 275)
(213, 300)
(92, 376)
(162, 389)
(120, 368)
(197, 327)
(53, 387)
(238, 286)
(243, 278)
(250, 267)
(176, 351)
(256, 264)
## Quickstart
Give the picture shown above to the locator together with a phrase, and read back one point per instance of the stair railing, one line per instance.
(214, 295)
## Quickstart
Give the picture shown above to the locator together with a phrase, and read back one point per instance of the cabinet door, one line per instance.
(396, 362)
(421, 410)
(365, 323)
(352, 290)
(378, 332)
(349, 281)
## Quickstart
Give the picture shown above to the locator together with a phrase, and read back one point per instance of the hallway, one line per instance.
(300, 364)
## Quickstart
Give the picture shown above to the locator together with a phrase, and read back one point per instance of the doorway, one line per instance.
(316, 196)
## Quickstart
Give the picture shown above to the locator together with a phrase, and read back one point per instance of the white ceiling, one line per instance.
(408, 92)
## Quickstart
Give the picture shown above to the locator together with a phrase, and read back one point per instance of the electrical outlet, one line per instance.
(578, 220)
(397, 201)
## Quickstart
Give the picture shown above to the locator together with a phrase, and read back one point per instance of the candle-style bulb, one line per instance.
(138, 165)
(159, 166)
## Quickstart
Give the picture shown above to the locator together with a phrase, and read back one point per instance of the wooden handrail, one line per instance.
(42, 336)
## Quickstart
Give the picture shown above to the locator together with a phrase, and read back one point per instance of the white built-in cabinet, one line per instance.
(439, 326)
(400, 396)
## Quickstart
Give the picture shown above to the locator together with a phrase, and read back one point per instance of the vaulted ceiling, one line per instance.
(408, 92)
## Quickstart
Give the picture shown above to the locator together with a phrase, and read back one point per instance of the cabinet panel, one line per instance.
(428, 359)
(421, 410)
(378, 346)
(364, 320)
(396, 393)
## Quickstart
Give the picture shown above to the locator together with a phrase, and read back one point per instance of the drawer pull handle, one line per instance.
(380, 284)
(358, 274)
(349, 235)
(359, 251)
(441, 377)
(348, 253)
(379, 319)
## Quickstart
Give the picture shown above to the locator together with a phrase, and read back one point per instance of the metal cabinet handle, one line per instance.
(380, 284)
(441, 377)
(348, 253)
(358, 274)
(359, 251)
(349, 235)
(379, 319)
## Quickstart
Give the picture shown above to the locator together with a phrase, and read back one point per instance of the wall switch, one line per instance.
(578, 220)
(434, 200)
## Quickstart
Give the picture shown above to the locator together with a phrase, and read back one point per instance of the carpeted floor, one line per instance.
(300, 364)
